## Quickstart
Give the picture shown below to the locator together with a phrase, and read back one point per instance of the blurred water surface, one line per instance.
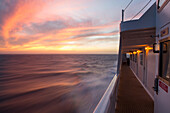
(54, 83)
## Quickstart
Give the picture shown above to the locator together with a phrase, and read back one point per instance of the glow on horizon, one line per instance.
(60, 27)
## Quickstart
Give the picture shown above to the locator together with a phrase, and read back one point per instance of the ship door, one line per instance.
(162, 84)
(136, 63)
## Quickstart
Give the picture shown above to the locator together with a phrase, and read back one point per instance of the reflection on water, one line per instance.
(54, 83)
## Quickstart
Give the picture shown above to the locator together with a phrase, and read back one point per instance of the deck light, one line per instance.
(148, 48)
(139, 51)
(134, 52)
(129, 53)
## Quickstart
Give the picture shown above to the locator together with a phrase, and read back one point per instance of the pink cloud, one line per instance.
(35, 24)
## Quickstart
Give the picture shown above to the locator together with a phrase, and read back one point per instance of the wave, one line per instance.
(50, 83)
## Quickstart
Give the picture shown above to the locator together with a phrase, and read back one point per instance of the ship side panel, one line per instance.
(162, 98)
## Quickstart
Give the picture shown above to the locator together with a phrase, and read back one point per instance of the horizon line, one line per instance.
(59, 54)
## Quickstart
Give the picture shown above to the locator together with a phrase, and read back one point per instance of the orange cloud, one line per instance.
(36, 26)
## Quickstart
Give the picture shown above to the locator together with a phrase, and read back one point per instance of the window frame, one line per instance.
(135, 58)
(141, 58)
(166, 80)
(162, 6)
(130, 56)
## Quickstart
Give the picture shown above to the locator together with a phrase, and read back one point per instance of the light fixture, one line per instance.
(134, 52)
(148, 48)
(129, 53)
(139, 51)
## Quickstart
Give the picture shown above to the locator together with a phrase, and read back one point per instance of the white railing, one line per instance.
(108, 101)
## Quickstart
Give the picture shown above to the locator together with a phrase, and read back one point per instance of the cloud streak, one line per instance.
(55, 26)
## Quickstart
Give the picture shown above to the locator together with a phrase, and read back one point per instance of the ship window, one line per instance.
(165, 62)
(160, 3)
(141, 58)
(127, 55)
(135, 57)
(130, 57)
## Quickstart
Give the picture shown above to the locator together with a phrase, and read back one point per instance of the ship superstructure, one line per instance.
(142, 83)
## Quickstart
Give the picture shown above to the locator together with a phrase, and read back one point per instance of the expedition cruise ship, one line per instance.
(142, 83)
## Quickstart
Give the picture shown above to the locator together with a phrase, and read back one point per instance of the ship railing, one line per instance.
(107, 104)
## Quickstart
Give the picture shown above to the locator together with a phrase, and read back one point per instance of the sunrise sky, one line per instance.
(63, 26)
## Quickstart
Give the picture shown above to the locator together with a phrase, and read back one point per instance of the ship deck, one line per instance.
(132, 97)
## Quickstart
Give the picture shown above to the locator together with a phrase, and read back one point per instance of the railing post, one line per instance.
(119, 56)
(122, 15)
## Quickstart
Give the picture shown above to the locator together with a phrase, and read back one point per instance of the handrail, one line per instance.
(108, 97)
(141, 9)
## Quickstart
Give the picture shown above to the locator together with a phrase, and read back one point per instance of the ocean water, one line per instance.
(54, 83)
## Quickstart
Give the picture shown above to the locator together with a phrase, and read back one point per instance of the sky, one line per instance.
(63, 26)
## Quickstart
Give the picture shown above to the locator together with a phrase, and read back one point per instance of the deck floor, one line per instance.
(132, 98)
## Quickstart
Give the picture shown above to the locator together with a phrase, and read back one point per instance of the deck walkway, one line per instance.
(132, 98)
